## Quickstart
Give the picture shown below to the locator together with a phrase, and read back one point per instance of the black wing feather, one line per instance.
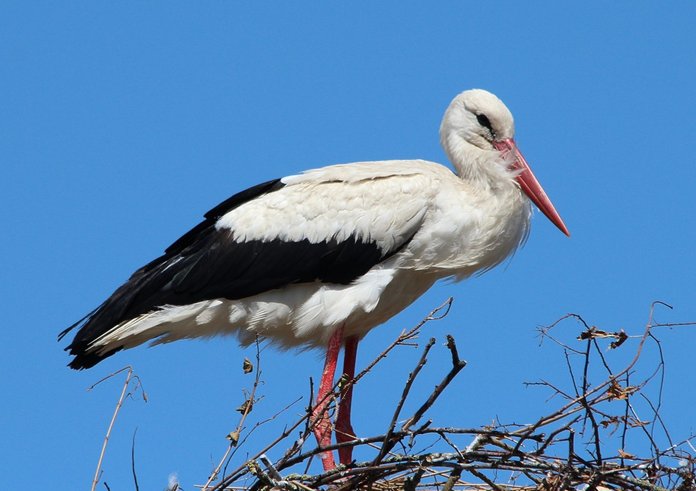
(207, 263)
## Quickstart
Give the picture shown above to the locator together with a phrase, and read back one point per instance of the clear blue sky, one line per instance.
(121, 123)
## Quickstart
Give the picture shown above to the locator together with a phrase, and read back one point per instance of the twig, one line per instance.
(407, 388)
(245, 409)
(135, 476)
(457, 366)
(438, 313)
(549, 454)
(119, 404)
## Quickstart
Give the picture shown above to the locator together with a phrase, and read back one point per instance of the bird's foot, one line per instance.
(322, 428)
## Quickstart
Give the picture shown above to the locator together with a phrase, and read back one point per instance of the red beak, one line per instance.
(530, 185)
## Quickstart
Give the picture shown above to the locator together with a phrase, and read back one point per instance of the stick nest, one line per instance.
(573, 447)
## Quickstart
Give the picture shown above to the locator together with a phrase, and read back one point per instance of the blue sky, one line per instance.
(122, 123)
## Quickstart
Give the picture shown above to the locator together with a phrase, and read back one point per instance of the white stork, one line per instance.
(320, 258)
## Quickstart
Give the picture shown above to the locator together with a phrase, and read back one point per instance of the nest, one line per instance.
(566, 449)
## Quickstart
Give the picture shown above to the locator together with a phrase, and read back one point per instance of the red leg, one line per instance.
(320, 413)
(344, 430)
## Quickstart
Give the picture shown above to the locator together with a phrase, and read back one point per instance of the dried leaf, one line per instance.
(615, 391)
(233, 437)
(246, 407)
(550, 482)
(592, 333)
(621, 336)
(612, 420)
(253, 468)
(247, 366)
(636, 423)
(342, 382)
(625, 455)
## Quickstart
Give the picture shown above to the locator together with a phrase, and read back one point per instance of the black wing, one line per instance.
(207, 263)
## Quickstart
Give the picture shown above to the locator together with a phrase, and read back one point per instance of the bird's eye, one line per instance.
(484, 121)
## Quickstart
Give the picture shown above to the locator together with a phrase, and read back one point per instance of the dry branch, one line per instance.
(594, 439)
(568, 448)
(124, 393)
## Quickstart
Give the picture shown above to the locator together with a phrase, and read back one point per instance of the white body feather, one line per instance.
(457, 229)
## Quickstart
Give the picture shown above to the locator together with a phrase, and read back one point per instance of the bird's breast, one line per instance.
(468, 230)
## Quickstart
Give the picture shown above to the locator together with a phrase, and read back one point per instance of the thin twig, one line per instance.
(119, 404)
(135, 476)
(550, 454)
(245, 409)
(407, 388)
(456, 368)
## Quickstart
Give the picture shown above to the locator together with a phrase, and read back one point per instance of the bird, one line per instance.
(319, 258)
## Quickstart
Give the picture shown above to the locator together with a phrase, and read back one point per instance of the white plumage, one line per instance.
(324, 256)
(456, 231)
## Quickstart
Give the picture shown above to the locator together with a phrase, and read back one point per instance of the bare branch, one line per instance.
(119, 404)
(591, 437)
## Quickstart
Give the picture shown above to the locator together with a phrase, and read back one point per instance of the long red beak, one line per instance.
(530, 185)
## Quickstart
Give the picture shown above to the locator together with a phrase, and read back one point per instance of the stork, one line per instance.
(320, 258)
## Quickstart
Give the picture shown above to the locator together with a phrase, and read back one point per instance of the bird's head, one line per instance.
(478, 118)
(477, 134)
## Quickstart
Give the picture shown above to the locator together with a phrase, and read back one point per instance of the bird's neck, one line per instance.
(485, 169)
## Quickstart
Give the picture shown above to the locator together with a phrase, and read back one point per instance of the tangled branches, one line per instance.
(565, 449)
